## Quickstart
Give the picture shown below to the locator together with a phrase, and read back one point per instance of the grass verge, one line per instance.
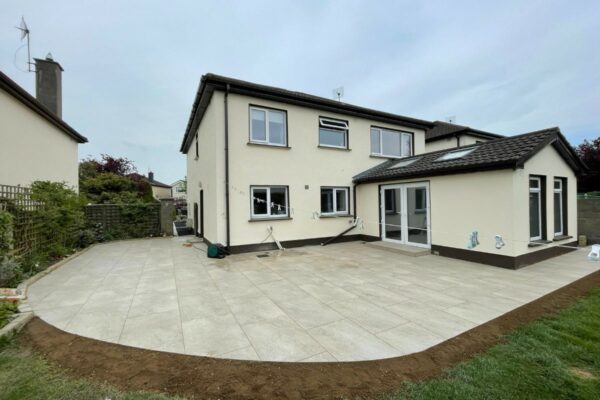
(553, 358)
(25, 375)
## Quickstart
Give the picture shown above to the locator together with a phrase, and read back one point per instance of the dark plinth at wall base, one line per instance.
(288, 244)
(499, 260)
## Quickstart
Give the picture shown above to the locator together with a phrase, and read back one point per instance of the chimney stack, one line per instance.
(151, 176)
(48, 84)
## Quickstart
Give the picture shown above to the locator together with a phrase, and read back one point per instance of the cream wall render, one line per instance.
(550, 164)
(32, 149)
(451, 142)
(459, 205)
(303, 163)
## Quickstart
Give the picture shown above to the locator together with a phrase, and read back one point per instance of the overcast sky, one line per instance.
(132, 67)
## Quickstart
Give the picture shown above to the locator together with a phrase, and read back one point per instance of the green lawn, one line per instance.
(26, 376)
(554, 358)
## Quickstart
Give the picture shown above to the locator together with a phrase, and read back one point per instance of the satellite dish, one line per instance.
(338, 93)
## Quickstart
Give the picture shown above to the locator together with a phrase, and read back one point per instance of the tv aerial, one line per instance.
(25, 33)
(338, 93)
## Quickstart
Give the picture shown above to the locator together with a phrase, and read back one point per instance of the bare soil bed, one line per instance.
(208, 378)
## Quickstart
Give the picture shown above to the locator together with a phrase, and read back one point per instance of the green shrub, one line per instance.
(6, 221)
(10, 271)
(6, 311)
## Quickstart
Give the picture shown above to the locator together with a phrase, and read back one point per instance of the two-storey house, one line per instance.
(266, 164)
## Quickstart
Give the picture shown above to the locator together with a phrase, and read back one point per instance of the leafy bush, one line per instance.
(60, 215)
(6, 220)
(6, 311)
(10, 271)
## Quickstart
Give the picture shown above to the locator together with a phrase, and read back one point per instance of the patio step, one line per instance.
(411, 251)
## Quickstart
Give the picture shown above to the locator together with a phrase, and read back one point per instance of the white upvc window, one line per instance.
(558, 207)
(333, 133)
(269, 202)
(535, 208)
(334, 201)
(268, 126)
(390, 143)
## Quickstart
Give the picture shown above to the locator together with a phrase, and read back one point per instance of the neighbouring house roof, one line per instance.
(508, 152)
(442, 130)
(158, 184)
(211, 82)
(33, 104)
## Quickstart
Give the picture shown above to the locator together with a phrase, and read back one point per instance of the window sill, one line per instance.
(561, 237)
(333, 148)
(269, 219)
(335, 216)
(538, 243)
(268, 145)
(388, 157)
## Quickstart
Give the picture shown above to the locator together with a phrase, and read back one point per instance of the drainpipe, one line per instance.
(227, 166)
(457, 141)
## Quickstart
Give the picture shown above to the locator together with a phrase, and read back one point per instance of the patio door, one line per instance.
(405, 214)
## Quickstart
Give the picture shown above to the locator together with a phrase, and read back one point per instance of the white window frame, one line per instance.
(560, 192)
(335, 189)
(335, 125)
(403, 151)
(537, 190)
(268, 190)
(267, 111)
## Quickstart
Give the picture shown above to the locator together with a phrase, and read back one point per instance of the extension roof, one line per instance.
(442, 130)
(211, 82)
(509, 152)
(11, 87)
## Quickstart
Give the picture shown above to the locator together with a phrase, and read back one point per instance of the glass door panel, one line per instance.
(392, 214)
(417, 215)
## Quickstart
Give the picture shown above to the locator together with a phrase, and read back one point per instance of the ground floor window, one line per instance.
(535, 208)
(334, 200)
(559, 207)
(269, 201)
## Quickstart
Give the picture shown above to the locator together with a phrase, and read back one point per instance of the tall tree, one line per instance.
(589, 152)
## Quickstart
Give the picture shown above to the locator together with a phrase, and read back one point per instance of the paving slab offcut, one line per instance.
(342, 302)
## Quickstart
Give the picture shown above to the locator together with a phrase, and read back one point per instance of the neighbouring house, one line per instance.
(266, 163)
(444, 135)
(159, 190)
(35, 142)
(179, 189)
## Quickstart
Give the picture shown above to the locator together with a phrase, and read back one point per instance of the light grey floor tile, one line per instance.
(214, 335)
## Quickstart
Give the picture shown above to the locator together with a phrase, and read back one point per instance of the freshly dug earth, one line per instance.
(208, 378)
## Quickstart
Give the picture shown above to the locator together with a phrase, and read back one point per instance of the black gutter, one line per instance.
(227, 166)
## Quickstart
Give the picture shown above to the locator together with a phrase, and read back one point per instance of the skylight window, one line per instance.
(403, 163)
(453, 155)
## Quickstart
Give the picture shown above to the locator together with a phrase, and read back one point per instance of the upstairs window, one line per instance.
(389, 143)
(269, 202)
(334, 201)
(333, 133)
(268, 126)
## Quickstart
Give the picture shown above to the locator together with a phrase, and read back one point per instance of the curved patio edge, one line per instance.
(204, 377)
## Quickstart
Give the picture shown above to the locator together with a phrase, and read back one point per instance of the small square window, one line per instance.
(268, 126)
(269, 202)
(334, 200)
(333, 133)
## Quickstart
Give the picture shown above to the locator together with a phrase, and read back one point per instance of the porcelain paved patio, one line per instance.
(341, 302)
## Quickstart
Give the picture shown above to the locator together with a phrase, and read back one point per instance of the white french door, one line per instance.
(405, 214)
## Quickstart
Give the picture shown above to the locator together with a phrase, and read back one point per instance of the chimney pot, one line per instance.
(48, 84)
(151, 176)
